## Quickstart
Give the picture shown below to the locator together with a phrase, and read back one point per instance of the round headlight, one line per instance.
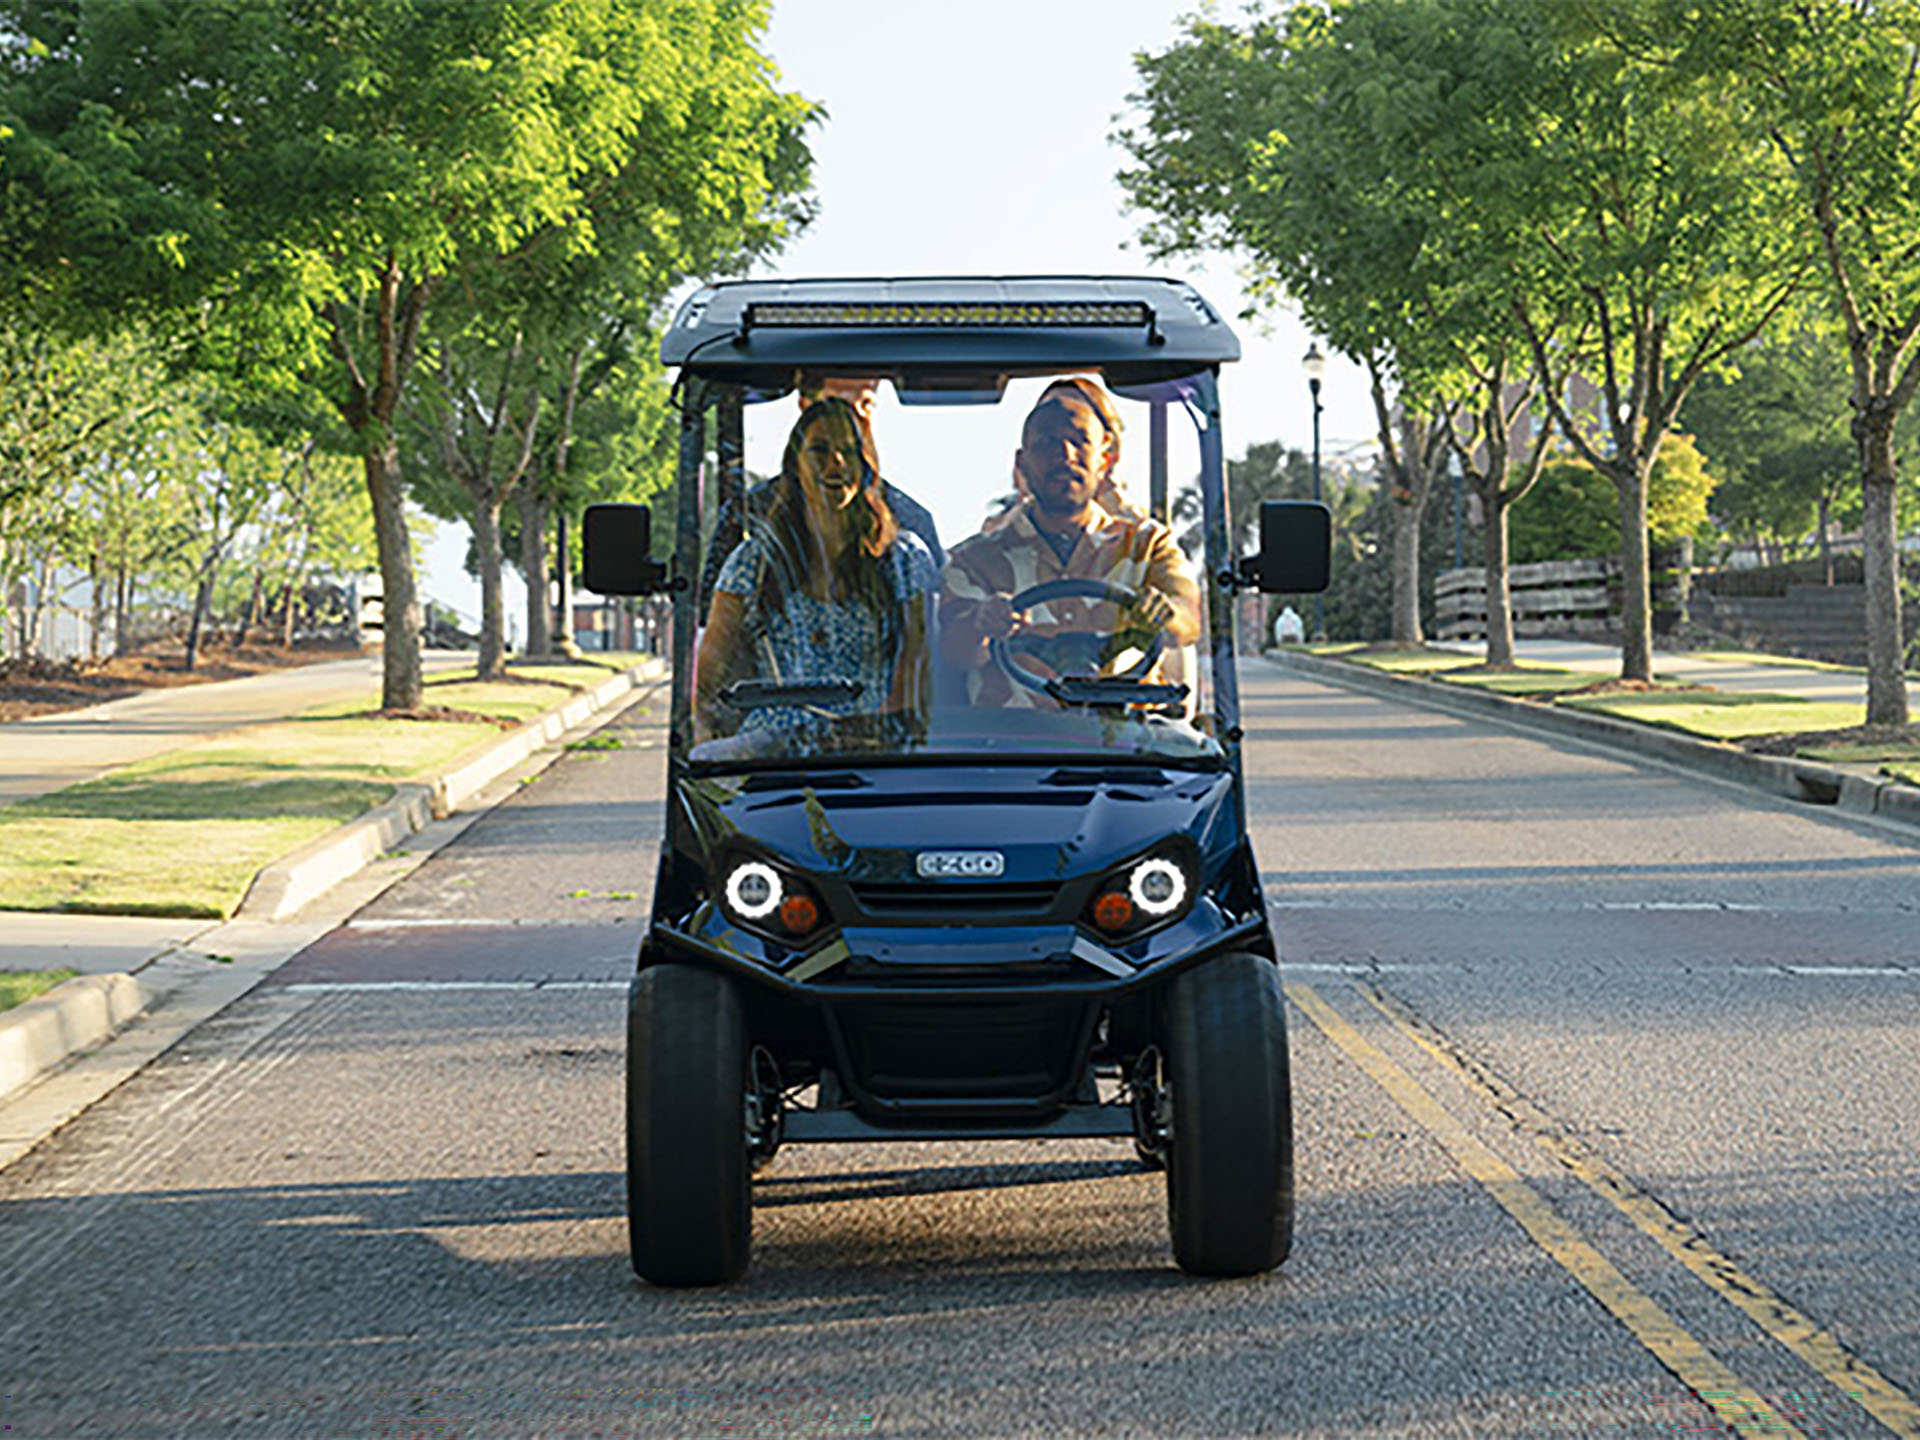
(753, 890)
(1157, 886)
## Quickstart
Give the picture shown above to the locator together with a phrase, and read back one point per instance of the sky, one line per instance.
(974, 138)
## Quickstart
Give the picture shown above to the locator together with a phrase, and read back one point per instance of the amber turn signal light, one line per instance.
(799, 914)
(1113, 912)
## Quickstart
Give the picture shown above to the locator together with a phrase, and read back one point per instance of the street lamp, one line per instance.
(1315, 366)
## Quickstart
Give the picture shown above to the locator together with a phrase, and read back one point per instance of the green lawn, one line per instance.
(1722, 715)
(185, 832)
(19, 986)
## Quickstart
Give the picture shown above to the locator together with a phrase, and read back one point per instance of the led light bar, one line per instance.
(965, 314)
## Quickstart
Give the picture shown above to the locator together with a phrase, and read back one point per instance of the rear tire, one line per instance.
(689, 1196)
(1230, 1153)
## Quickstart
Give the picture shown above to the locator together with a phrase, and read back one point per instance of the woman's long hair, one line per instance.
(862, 573)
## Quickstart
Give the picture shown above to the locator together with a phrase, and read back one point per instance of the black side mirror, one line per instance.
(618, 541)
(1296, 547)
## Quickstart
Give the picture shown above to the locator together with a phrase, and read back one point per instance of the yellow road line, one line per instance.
(1697, 1368)
(1831, 1360)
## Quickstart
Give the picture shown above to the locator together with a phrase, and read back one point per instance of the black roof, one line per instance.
(948, 333)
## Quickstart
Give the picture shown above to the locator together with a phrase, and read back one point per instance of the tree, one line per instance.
(1835, 85)
(1575, 512)
(310, 179)
(1776, 430)
(1352, 157)
(483, 416)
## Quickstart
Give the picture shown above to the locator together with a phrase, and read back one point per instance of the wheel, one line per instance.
(1080, 649)
(1230, 1118)
(689, 1201)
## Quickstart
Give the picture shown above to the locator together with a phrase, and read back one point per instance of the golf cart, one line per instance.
(1014, 902)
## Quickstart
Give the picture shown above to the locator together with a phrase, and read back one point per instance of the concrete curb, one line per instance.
(47, 1031)
(295, 880)
(75, 1015)
(1808, 781)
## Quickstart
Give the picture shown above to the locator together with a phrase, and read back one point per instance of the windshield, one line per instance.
(980, 580)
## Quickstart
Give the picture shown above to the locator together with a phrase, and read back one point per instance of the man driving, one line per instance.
(1057, 531)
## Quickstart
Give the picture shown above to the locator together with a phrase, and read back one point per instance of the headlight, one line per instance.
(753, 890)
(764, 900)
(1141, 896)
(1157, 886)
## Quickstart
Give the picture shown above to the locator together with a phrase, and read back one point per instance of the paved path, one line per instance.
(52, 751)
(1803, 682)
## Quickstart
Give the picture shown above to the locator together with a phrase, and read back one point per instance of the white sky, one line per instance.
(972, 138)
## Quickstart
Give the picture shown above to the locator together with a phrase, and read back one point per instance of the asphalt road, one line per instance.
(1604, 1080)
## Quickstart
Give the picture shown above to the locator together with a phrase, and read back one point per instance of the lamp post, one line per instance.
(1315, 366)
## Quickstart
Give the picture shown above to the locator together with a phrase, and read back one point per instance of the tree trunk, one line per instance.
(1499, 589)
(1636, 574)
(1406, 570)
(123, 612)
(400, 681)
(1886, 647)
(202, 602)
(533, 566)
(1826, 543)
(251, 614)
(97, 590)
(563, 640)
(486, 542)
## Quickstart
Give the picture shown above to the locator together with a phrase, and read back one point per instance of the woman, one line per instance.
(828, 587)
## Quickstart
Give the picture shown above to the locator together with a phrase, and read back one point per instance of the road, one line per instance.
(1564, 1026)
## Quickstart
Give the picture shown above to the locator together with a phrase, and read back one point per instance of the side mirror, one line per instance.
(618, 541)
(1296, 547)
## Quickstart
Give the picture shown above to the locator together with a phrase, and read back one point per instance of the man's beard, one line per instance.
(1056, 499)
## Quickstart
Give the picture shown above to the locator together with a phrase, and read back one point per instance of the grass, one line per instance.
(19, 986)
(1705, 712)
(1722, 715)
(185, 832)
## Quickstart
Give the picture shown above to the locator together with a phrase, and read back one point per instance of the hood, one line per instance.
(1050, 823)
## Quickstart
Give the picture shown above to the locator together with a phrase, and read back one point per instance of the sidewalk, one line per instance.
(176, 972)
(1858, 788)
(50, 752)
(1803, 680)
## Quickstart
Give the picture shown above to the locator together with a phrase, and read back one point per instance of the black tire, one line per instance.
(1230, 1154)
(689, 1196)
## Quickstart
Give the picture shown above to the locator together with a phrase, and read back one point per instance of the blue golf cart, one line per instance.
(956, 893)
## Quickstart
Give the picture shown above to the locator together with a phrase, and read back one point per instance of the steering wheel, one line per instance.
(1082, 651)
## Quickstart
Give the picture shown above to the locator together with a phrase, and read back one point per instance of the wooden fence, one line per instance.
(1559, 597)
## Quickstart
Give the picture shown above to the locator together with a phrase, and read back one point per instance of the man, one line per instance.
(909, 513)
(1059, 531)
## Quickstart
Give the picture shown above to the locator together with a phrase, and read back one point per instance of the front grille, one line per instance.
(960, 903)
(964, 1052)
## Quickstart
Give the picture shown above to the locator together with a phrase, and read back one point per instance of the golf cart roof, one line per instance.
(947, 339)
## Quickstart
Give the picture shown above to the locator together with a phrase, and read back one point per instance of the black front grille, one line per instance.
(958, 902)
(956, 1053)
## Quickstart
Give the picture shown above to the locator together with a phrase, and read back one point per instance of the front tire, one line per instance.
(1230, 1150)
(689, 1196)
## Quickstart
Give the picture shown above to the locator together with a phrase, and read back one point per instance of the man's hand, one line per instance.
(1149, 614)
(996, 619)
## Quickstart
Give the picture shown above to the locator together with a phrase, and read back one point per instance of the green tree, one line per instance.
(1574, 512)
(1350, 154)
(1776, 430)
(1835, 84)
(310, 179)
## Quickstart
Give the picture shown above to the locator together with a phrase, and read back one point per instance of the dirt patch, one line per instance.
(33, 686)
(1890, 736)
(1618, 686)
(444, 714)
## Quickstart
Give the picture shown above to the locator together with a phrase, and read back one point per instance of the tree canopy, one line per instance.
(290, 188)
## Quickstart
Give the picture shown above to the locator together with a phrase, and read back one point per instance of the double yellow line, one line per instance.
(1689, 1360)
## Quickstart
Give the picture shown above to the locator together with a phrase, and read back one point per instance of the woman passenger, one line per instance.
(827, 587)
